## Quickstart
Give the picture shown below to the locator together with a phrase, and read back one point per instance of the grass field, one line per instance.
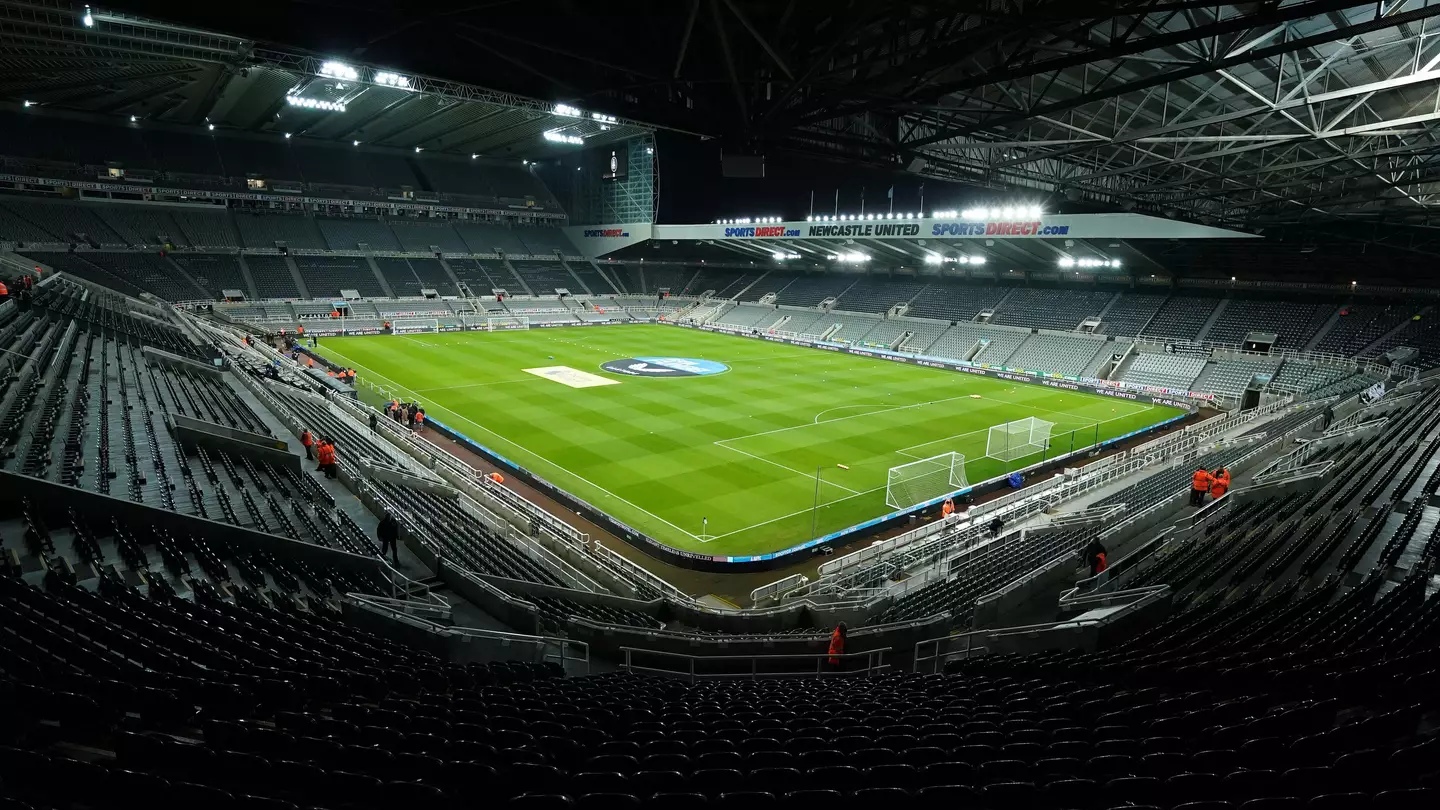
(741, 447)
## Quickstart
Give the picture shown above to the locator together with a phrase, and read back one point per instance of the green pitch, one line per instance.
(739, 448)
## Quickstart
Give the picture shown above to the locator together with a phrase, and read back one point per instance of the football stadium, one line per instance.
(720, 403)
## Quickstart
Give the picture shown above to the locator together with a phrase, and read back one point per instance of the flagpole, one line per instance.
(862, 201)
(922, 199)
(837, 203)
(812, 203)
(891, 195)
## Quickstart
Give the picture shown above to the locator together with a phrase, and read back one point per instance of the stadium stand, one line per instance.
(1163, 370)
(142, 226)
(433, 276)
(747, 316)
(544, 277)
(1130, 313)
(399, 275)
(204, 229)
(420, 235)
(961, 339)
(658, 276)
(594, 283)
(270, 230)
(808, 291)
(1182, 316)
(1292, 323)
(475, 275)
(1044, 309)
(150, 272)
(213, 273)
(272, 277)
(16, 228)
(1063, 355)
(948, 301)
(1304, 377)
(725, 283)
(1423, 335)
(326, 276)
(769, 283)
(1360, 325)
(75, 264)
(490, 238)
(878, 295)
(1231, 377)
(66, 222)
(389, 171)
(351, 233)
(543, 241)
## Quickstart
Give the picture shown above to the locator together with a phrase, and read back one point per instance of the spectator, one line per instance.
(1219, 483)
(308, 442)
(996, 526)
(420, 420)
(389, 534)
(374, 422)
(1199, 485)
(1095, 556)
(837, 645)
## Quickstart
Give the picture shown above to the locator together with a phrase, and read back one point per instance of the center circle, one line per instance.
(664, 367)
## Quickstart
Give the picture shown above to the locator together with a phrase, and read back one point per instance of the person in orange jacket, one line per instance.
(308, 442)
(1219, 483)
(837, 645)
(1199, 485)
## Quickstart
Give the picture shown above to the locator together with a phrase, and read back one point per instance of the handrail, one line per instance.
(874, 663)
(539, 642)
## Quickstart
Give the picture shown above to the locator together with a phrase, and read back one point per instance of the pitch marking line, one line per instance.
(904, 451)
(472, 385)
(472, 422)
(806, 475)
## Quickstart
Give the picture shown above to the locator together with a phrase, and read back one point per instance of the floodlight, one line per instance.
(474, 155)
(1007, 213)
(1067, 262)
(419, 149)
(211, 127)
(287, 136)
(931, 258)
(132, 119)
(1114, 262)
(559, 137)
(977, 259)
(567, 110)
(389, 79)
(28, 104)
(809, 219)
(88, 21)
(649, 150)
(339, 70)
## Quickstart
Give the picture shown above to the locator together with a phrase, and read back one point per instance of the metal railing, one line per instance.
(874, 664)
(544, 648)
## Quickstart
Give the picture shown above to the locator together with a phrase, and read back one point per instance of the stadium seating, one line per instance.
(351, 233)
(269, 230)
(593, 281)
(66, 222)
(1131, 312)
(490, 238)
(769, 283)
(879, 295)
(426, 236)
(808, 291)
(150, 272)
(142, 226)
(543, 277)
(1163, 371)
(948, 301)
(203, 229)
(433, 276)
(1045, 309)
(748, 316)
(545, 241)
(1360, 325)
(326, 276)
(725, 283)
(1303, 377)
(1182, 316)
(16, 228)
(399, 275)
(1062, 355)
(1231, 377)
(272, 277)
(1292, 323)
(959, 339)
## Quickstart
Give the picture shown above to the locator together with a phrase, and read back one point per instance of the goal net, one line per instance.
(925, 480)
(507, 322)
(406, 326)
(1018, 439)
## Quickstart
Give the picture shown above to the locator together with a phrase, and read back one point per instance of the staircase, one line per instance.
(1214, 317)
(296, 277)
(380, 277)
(250, 288)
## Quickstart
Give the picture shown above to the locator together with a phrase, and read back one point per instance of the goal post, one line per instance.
(407, 326)
(1018, 439)
(925, 480)
(496, 323)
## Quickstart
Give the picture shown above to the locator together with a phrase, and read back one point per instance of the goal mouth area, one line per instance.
(908, 486)
(1011, 441)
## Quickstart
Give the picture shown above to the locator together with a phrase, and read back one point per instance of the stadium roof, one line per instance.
(109, 62)
(1254, 114)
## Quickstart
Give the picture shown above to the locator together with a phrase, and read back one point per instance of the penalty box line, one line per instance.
(524, 449)
(905, 451)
